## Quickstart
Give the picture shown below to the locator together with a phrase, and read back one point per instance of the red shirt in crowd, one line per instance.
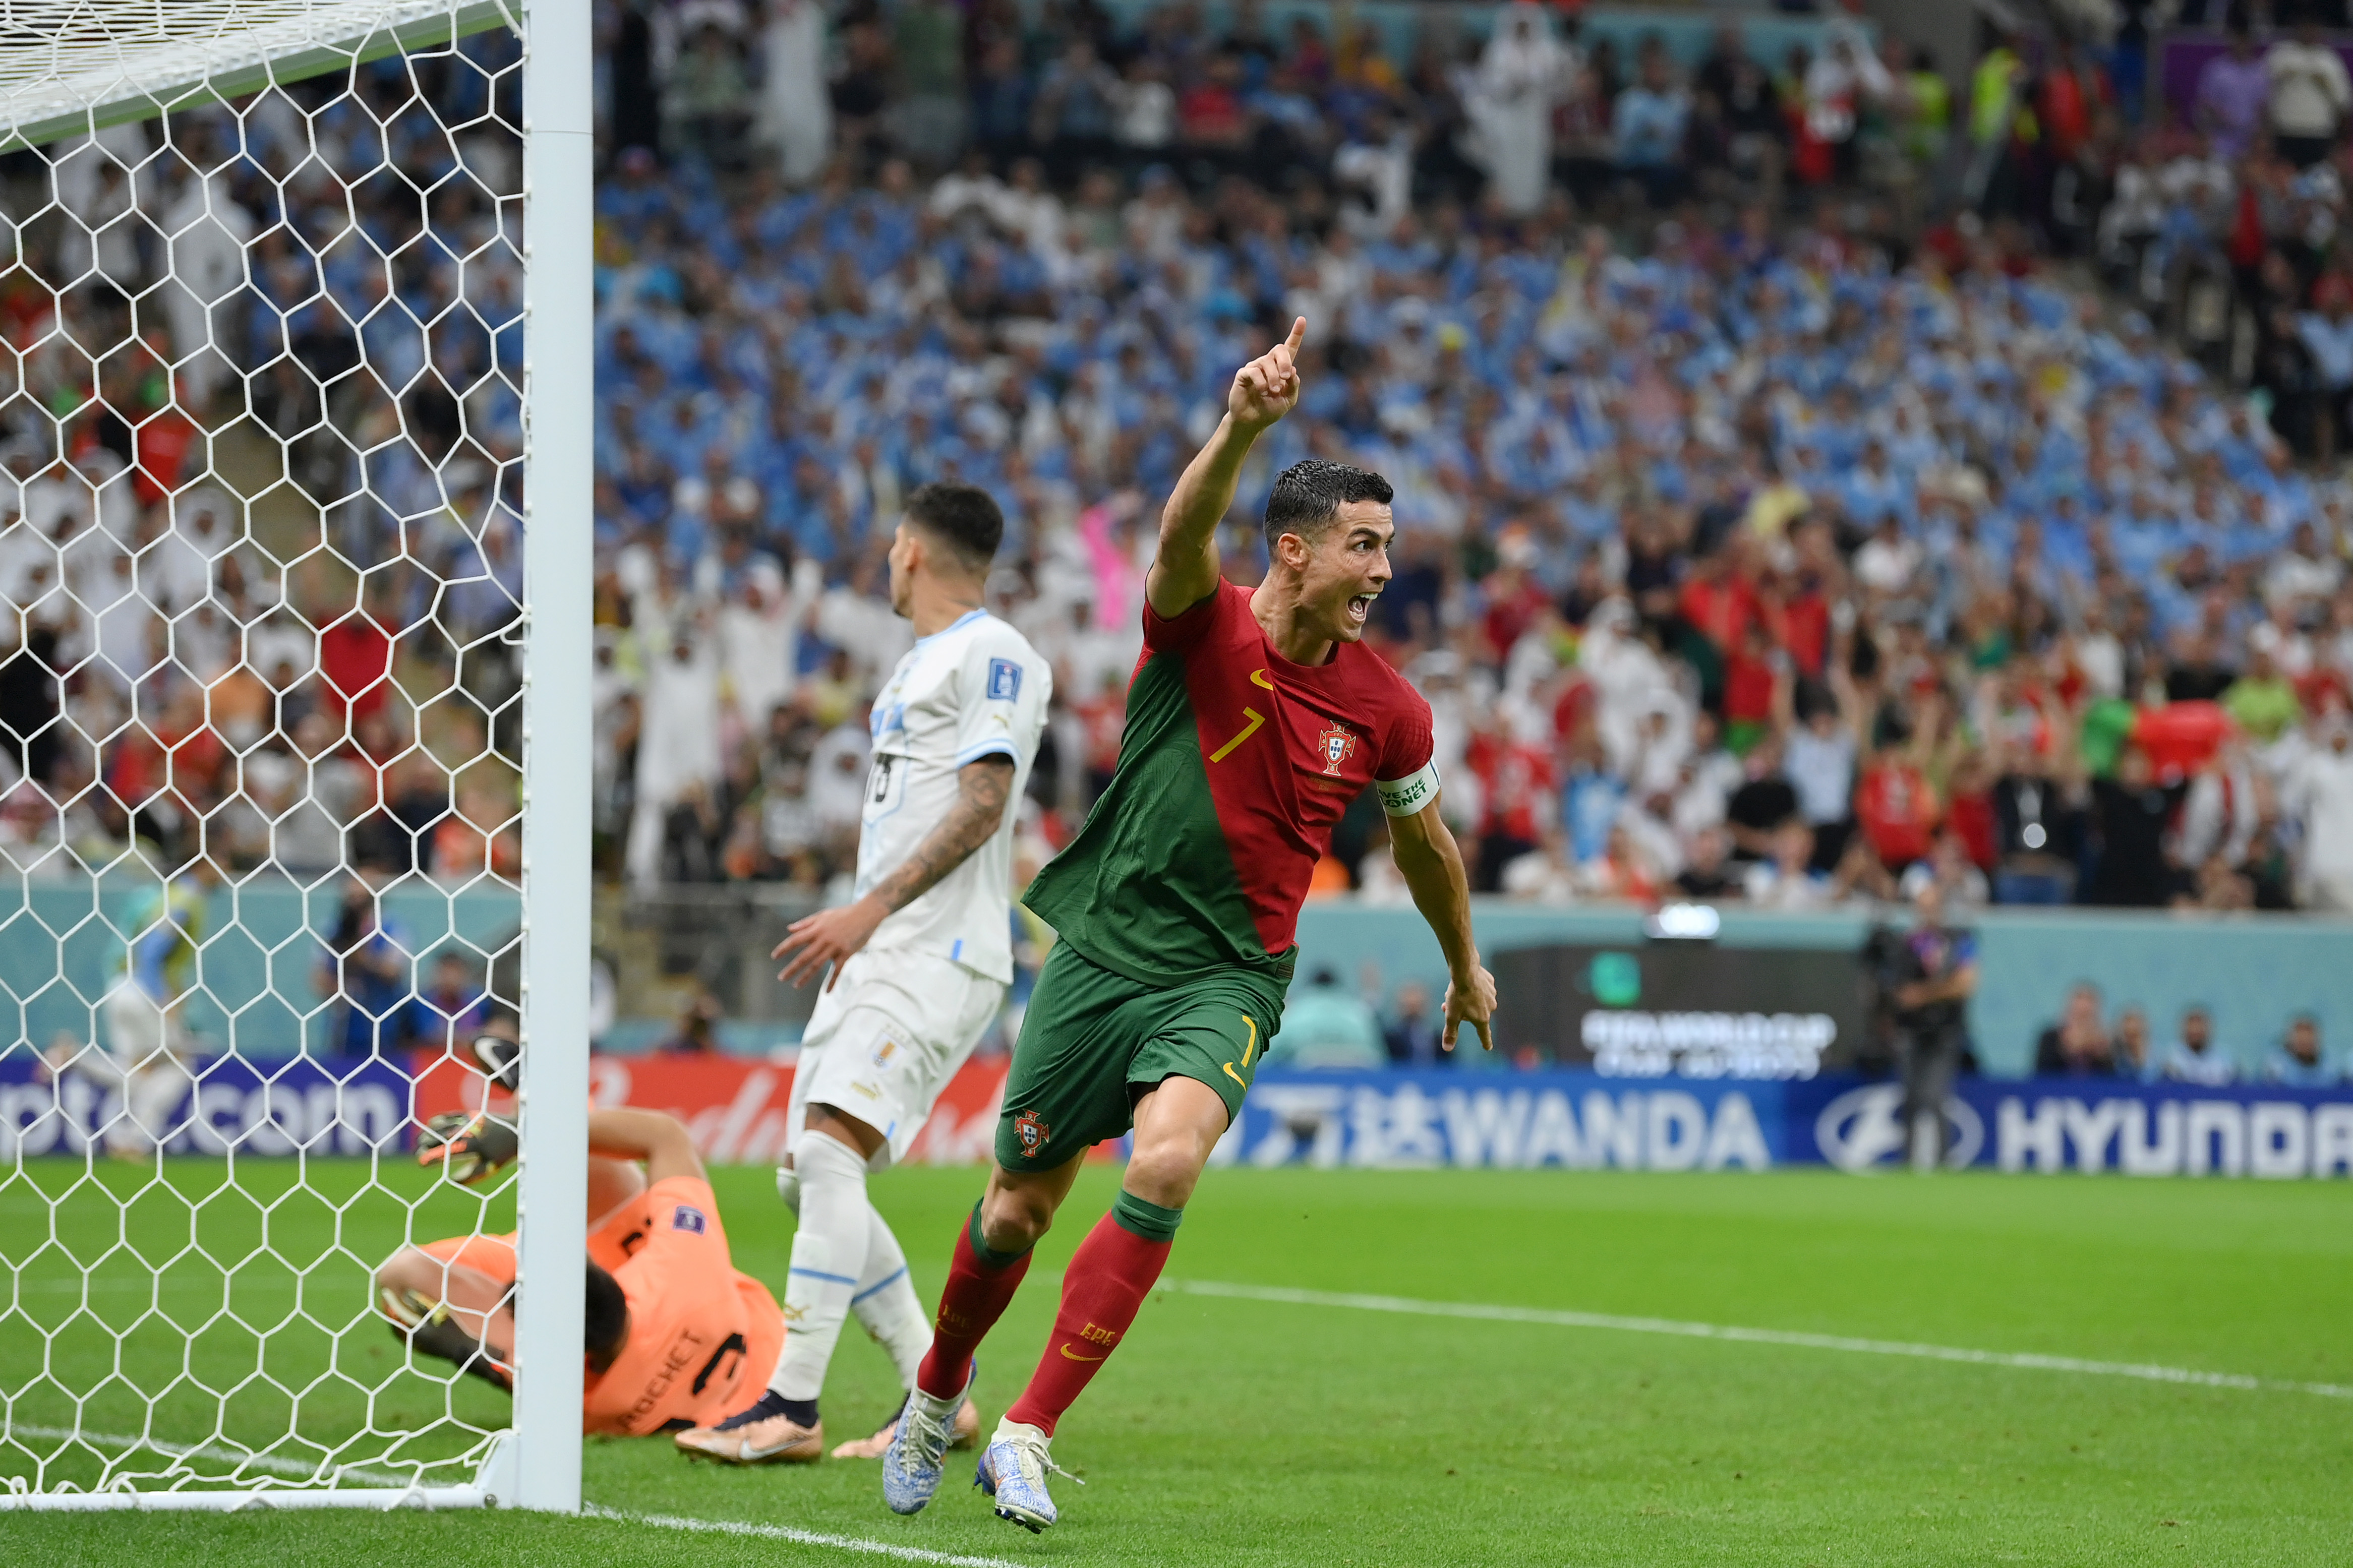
(1970, 814)
(1721, 610)
(1898, 810)
(1805, 630)
(1747, 689)
(1512, 609)
(356, 657)
(1516, 779)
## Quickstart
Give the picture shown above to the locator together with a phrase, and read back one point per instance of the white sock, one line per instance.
(828, 1253)
(886, 1301)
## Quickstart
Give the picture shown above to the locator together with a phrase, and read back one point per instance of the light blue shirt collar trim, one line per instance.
(960, 620)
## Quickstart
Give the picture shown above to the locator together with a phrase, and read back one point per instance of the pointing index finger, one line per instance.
(1298, 334)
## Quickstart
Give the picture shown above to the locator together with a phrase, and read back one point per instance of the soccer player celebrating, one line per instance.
(1255, 717)
(663, 1293)
(921, 960)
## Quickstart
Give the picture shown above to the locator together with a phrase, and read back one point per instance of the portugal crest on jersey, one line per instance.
(1335, 745)
(1032, 1132)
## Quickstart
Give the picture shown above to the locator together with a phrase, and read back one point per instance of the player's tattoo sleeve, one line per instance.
(982, 790)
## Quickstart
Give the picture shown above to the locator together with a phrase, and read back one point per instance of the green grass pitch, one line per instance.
(1249, 1432)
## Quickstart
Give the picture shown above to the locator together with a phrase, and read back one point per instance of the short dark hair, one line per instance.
(605, 1321)
(965, 518)
(1309, 493)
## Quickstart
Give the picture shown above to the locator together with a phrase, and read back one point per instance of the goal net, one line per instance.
(264, 747)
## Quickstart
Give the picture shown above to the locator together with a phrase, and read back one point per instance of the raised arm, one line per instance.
(1185, 572)
(655, 1137)
(1432, 864)
(832, 936)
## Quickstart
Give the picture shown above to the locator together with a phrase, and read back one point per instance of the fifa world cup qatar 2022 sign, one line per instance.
(1684, 1009)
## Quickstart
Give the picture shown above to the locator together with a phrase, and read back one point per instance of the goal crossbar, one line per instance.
(76, 66)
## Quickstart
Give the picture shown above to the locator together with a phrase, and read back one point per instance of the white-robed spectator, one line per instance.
(206, 232)
(2318, 792)
(837, 780)
(2304, 572)
(678, 746)
(855, 617)
(759, 638)
(179, 569)
(1845, 77)
(98, 238)
(1143, 107)
(796, 103)
(128, 632)
(2223, 811)
(1030, 212)
(2310, 94)
(92, 489)
(1522, 73)
(1889, 563)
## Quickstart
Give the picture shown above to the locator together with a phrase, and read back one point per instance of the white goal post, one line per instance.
(296, 359)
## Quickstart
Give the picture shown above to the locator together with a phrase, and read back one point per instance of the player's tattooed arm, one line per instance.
(1185, 572)
(984, 788)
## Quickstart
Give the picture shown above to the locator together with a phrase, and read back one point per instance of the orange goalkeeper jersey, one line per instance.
(703, 1337)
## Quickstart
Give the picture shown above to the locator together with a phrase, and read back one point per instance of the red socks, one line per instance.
(1108, 1278)
(980, 1283)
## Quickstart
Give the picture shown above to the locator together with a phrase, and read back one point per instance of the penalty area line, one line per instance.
(798, 1537)
(2023, 1360)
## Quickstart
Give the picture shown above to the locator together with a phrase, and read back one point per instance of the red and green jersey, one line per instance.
(1235, 766)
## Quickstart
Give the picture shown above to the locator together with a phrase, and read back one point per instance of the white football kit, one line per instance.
(909, 1007)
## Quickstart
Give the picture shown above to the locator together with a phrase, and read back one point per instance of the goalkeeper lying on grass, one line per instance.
(675, 1336)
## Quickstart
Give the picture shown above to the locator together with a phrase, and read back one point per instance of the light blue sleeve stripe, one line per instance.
(878, 1285)
(820, 1274)
(991, 748)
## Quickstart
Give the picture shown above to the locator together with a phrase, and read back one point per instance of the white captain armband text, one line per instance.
(1408, 796)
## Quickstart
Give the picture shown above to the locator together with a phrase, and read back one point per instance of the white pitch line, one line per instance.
(237, 1457)
(799, 1537)
(593, 1511)
(1495, 1314)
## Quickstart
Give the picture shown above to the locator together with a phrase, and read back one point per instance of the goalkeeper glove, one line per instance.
(499, 1059)
(425, 1327)
(468, 1146)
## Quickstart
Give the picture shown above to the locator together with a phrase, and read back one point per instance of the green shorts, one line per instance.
(1094, 1040)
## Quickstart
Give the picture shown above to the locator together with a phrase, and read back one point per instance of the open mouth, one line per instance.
(1360, 606)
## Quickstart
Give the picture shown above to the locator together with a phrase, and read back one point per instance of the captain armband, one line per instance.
(1405, 796)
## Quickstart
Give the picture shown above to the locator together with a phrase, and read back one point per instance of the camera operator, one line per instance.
(1936, 972)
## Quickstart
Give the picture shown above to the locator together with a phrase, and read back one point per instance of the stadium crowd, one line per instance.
(260, 453)
(1780, 519)
(1759, 546)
